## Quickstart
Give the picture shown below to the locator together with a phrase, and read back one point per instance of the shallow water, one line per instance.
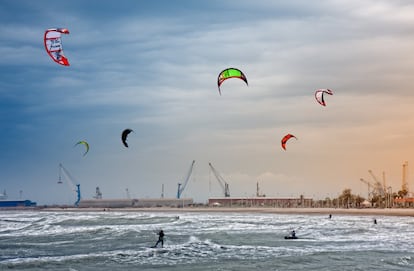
(203, 241)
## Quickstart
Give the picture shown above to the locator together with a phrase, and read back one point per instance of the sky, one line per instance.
(152, 66)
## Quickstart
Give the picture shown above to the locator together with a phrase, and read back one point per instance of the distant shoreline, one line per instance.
(264, 210)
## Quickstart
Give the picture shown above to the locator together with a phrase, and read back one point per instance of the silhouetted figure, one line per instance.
(375, 221)
(160, 239)
(330, 216)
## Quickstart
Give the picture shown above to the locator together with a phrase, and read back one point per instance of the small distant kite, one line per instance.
(230, 73)
(124, 136)
(319, 95)
(86, 146)
(285, 139)
(53, 45)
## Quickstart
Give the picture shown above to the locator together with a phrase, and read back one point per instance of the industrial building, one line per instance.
(99, 202)
(5, 203)
(17, 203)
(404, 202)
(261, 202)
(134, 203)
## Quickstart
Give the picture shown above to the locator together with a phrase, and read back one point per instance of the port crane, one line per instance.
(181, 186)
(3, 195)
(224, 185)
(98, 193)
(369, 188)
(258, 194)
(70, 181)
(378, 187)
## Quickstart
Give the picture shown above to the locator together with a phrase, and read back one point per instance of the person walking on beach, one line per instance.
(160, 239)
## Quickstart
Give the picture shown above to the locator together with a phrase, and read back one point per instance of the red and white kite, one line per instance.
(53, 45)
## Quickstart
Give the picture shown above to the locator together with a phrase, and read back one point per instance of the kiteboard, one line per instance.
(157, 250)
(291, 237)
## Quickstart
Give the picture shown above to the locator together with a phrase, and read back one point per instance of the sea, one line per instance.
(116, 240)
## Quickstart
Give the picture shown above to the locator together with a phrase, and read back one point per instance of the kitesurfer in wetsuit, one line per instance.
(160, 239)
(293, 234)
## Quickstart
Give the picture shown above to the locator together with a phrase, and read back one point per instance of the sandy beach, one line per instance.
(308, 211)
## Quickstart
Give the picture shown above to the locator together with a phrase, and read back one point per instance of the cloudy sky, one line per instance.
(152, 66)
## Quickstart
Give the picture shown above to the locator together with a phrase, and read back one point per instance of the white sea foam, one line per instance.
(118, 240)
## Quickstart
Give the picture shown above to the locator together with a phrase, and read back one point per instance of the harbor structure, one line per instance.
(135, 203)
(261, 202)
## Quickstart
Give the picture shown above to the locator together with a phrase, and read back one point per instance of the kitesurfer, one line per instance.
(330, 216)
(160, 239)
(375, 221)
(292, 235)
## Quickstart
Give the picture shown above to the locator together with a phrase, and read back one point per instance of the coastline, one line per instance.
(264, 210)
